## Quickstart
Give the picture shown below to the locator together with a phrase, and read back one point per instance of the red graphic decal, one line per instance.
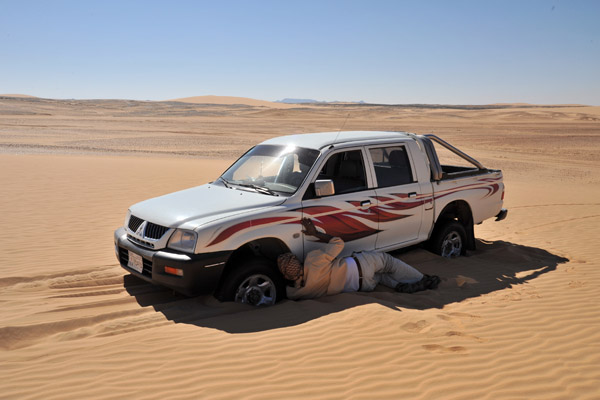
(385, 216)
(344, 226)
(495, 187)
(492, 188)
(314, 210)
(401, 195)
(354, 203)
(382, 198)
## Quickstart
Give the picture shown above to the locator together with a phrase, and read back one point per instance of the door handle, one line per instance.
(365, 203)
(412, 194)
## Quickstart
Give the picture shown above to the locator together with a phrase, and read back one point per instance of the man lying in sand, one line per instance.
(324, 274)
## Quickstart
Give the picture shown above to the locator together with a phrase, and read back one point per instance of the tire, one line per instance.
(256, 282)
(449, 240)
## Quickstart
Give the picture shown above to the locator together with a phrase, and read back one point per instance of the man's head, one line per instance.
(290, 266)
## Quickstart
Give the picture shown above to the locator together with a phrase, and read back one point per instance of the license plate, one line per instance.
(135, 262)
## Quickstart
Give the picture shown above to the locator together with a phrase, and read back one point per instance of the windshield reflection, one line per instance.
(272, 169)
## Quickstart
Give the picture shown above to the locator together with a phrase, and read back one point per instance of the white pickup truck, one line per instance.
(376, 190)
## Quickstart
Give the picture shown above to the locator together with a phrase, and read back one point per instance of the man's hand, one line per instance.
(311, 230)
(309, 227)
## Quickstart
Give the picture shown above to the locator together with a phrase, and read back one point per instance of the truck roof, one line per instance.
(323, 139)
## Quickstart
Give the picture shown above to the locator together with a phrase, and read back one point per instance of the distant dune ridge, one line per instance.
(231, 100)
(20, 96)
(293, 102)
(312, 101)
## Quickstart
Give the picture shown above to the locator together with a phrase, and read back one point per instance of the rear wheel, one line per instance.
(449, 240)
(256, 283)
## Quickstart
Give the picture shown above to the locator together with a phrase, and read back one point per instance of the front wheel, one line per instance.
(256, 283)
(449, 240)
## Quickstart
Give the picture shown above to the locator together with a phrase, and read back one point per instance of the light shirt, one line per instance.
(324, 274)
(352, 277)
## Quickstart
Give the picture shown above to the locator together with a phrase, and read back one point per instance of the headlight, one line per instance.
(183, 240)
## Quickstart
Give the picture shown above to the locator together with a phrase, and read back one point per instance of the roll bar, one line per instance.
(455, 150)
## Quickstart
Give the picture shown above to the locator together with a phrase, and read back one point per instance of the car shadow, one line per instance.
(494, 266)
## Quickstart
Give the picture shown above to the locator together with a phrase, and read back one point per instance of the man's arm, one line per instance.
(311, 230)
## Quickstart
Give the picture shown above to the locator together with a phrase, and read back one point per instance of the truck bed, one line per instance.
(453, 171)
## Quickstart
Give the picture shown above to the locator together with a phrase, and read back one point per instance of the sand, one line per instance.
(19, 96)
(232, 100)
(518, 318)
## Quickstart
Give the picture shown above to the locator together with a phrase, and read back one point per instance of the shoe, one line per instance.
(407, 287)
(401, 287)
(426, 283)
(432, 281)
(411, 287)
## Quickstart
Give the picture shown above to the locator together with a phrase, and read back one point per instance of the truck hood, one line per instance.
(200, 205)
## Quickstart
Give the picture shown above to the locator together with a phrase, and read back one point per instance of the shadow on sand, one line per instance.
(492, 267)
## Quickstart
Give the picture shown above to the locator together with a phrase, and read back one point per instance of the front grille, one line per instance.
(135, 222)
(154, 231)
(140, 241)
(151, 231)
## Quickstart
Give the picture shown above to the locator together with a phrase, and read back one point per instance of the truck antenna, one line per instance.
(340, 130)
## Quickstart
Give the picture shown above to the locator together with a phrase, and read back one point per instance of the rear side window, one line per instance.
(391, 165)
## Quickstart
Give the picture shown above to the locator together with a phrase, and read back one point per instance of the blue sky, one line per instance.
(452, 52)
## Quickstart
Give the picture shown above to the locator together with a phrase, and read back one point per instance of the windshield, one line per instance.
(272, 168)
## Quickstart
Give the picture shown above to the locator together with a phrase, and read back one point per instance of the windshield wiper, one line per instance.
(225, 182)
(260, 189)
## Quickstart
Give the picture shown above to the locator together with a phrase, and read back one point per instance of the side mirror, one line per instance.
(324, 187)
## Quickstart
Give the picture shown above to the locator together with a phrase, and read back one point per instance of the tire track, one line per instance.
(14, 280)
(558, 222)
(14, 337)
(556, 205)
(75, 304)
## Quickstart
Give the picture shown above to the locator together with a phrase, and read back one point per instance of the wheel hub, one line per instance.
(452, 245)
(256, 290)
(253, 296)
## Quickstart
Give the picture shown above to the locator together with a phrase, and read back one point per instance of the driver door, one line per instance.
(347, 213)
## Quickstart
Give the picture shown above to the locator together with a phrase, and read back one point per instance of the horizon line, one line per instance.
(313, 102)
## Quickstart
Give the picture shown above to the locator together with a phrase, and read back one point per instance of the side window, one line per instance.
(391, 165)
(346, 170)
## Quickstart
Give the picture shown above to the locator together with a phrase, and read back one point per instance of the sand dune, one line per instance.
(230, 100)
(518, 318)
(18, 96)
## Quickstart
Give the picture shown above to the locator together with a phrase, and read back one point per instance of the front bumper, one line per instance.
(201, 272)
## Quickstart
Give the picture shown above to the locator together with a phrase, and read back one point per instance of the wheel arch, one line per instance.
(267, 247)
(460, 211)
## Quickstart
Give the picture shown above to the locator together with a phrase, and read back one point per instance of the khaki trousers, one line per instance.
(385, 269)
